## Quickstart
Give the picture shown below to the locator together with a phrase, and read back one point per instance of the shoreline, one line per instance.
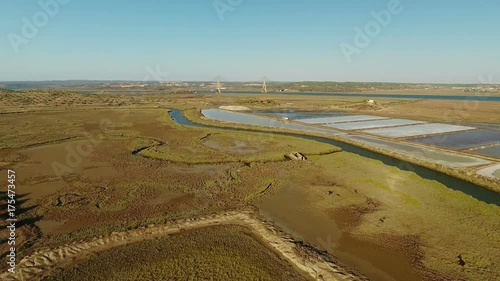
(195, 116)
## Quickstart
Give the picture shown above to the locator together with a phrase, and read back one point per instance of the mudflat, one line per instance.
(93, 165)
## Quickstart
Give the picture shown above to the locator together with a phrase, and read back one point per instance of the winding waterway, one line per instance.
(473, 190)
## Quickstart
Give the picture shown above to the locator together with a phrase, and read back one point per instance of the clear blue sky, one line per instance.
(428, 41)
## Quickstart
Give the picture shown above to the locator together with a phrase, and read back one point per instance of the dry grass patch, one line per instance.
(213, 253)
(217, 146)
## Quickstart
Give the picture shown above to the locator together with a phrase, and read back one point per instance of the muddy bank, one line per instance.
(314, 264)
(390, 258)
(485, 191)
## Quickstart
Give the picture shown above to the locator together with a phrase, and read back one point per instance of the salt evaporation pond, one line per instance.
(349, 118)
(462, 140)
(428, 154)
(417, 130)
(489, 151)
(373, 124)
(292, 114)
(482, 194)
(248, 119)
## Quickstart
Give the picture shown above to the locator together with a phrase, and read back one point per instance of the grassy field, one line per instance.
(78, 179)
(369, 214)
(466, 174)
(230, 147)
(214, 253)
(431, 110)
(91, 197)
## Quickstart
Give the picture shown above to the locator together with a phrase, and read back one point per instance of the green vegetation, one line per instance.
(227, 147)
(186, 173)
(262, 186)
(258, 101)
(408, 199)
(214, 253)
(403, 198)
(464, 174)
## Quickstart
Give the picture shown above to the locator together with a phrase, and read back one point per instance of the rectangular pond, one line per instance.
(492, 171)
(489, 151)
(292, 114)
(307, 115)
(340, 119)
(249, 119)
(423, 153)
(482, 194)
(417, 130)
(373, 124)
(486, 126)
(462, 140)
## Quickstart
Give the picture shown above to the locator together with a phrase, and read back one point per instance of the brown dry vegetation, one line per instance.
(109, 189)
(432, 110)
(407, 227)
(446, 111)
(438, 91)
(93, 193)
(232, 147)
(374, 216)
(214, 253)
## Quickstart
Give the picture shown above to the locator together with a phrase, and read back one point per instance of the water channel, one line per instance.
(473, 190)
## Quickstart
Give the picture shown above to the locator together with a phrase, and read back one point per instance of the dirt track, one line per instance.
(40, 263)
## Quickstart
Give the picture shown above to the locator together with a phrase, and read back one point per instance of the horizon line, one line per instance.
(247, 81)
